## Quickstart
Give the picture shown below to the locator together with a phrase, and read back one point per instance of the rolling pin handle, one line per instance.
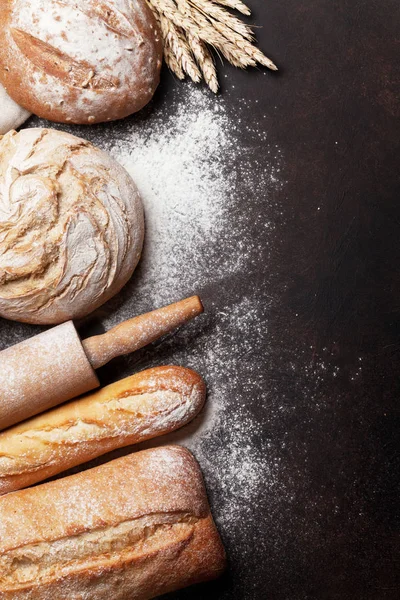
(136, 333)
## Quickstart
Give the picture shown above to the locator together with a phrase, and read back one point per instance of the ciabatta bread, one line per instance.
(133, 528)
(144, 406)
(71, 226)
(79, 62)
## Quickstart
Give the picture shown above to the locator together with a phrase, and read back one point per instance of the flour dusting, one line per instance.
(189, 165)
(179, 165)
(205, 180)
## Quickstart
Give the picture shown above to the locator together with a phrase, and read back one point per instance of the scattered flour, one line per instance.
(188, 165)
(204, 185)
(199, 180)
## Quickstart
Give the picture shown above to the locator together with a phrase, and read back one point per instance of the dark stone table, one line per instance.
(329, 528)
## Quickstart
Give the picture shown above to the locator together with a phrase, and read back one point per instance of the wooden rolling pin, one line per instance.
(56, 366)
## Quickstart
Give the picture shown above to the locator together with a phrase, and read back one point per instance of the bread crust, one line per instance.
(84, 62)
(136, 527)
(137, 408)
(71, 228)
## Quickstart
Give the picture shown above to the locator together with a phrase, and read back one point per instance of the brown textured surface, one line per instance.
(326, 524)
(143, 406)
(136, 527)
(45, 69)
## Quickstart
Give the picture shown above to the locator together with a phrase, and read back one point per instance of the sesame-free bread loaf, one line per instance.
(71, 226)
(79, 62)
(134, 528)
(135, 409)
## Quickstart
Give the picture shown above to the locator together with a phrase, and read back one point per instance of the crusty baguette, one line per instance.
(130, 411)
(134, 528)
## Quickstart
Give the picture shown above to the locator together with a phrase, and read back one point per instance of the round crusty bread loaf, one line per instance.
(12, 115)
(71, 226)
(85, 62)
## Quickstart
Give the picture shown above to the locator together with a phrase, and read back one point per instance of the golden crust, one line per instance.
(79, 62)
(137, 408)
(157, 494)
(71, 228)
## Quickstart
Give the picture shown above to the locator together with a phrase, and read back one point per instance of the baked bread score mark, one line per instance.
(80, 64)
(148, 404)
(71, 226)
(136, 527)
(33, 564)
(55, 63)
(114, 19)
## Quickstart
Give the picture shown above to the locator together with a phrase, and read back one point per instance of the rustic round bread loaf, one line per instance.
(11, 114)
(79, 62)
(71, 226)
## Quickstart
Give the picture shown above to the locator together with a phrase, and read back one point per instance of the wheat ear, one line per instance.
(195, 22)
(189, 25)
(236, 5)
(216, 34)
(172, 63)
(216, 13)
(201, 53)
(245, 46)
(175, 40)
(169, 56)
(205, 61)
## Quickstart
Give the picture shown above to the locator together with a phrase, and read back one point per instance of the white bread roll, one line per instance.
(71, 226)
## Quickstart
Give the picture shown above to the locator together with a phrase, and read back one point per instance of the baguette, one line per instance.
(134, 528)
(132, 410)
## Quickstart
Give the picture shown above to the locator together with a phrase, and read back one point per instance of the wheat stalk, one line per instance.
(176, 41)
(216, 13)
(236, 5)
(205, 62)
(188, 26)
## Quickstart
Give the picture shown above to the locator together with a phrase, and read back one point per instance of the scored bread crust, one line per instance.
(137, 408)
(136, 527)
(79, 62)
(71, 226)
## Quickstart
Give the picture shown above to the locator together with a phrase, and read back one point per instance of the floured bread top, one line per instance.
(71, 226)
(79, 62)
(135, 527)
